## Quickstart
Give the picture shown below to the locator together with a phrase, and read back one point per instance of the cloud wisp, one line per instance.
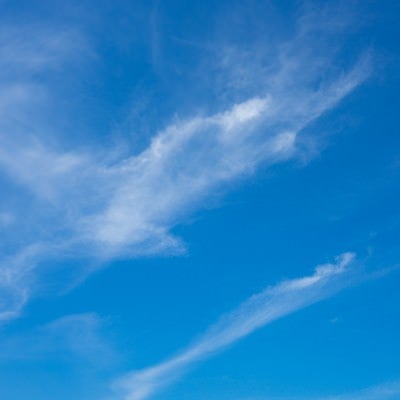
(384, 391)
(192, 159)
(76, 336)
(259, 310)
(84, 206)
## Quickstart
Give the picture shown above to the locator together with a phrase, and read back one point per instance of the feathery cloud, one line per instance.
(386, 391)
(76, 336)
(259, 310)
(84, 206)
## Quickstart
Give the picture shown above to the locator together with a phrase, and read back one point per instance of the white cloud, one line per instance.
(27, 49)
(386, 391)
(86, 206)
(73, 336)
(191, 159)
(6, 219)
(16, 280)
(259, 310)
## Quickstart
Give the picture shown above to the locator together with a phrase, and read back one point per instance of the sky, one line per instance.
(199, 200)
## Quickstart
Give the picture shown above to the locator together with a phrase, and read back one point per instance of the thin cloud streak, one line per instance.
(386, 391)
(259, 310)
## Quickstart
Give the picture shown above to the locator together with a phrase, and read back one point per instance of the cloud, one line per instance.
(386, 391)
(259, 310)
(27, 49)
(191, 159)
(89, 205)
(6, 219)
(72, 337)
(15, 281)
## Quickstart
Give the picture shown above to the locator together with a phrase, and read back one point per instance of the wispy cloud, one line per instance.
(386, 391)
(191, 158)
(259, 310)
(84, 205)
(6, 219)
(15, 281)
(194, 158)
(35, 48)
(72, 337)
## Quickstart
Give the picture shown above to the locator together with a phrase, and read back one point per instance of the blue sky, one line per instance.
(200, 200)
